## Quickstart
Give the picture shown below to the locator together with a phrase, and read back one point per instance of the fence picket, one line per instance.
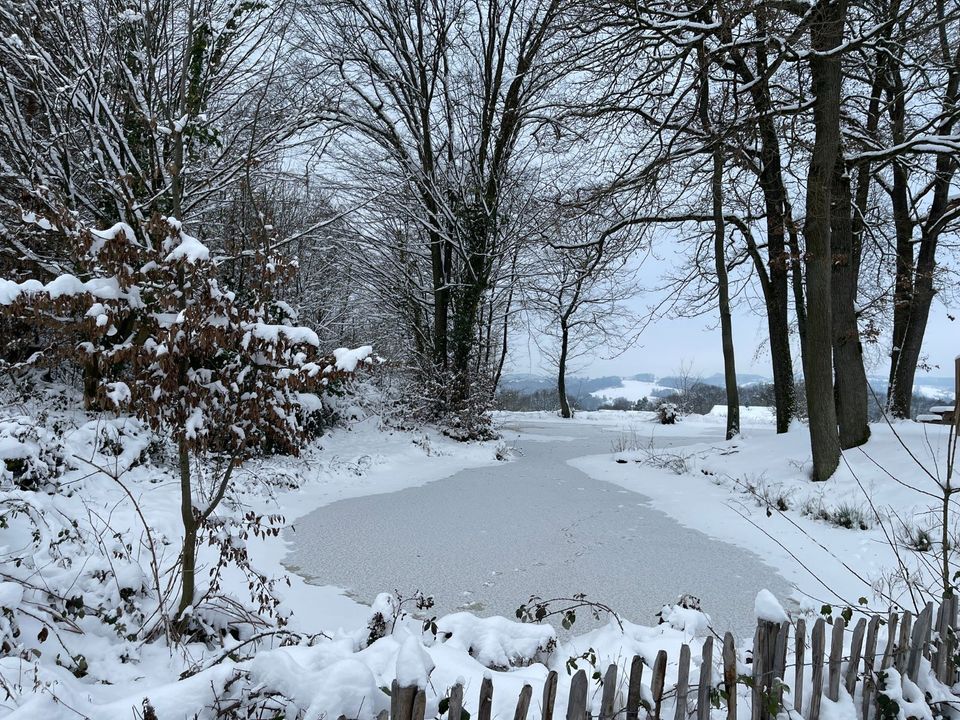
(549, 696)
(730, 675)
(455, 703)
(577, 702)
(633, 688)
(683, 681)
(405, 698)
(816, 678)
(780, 660)
(705, 683)
(608, 699)
(419, 708)
(869, 659)
(891, 649)
(836, 658)
(800, 646)
(656, 682)
(919, 640)
(900, 653)
(523, 703)
(764, 668)
(950, 640)
(759, 651)
(853, 664)
(485, 706)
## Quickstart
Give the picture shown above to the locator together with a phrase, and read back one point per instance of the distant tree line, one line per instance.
(699, 398)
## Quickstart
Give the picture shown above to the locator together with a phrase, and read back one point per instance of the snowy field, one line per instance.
(610, 504)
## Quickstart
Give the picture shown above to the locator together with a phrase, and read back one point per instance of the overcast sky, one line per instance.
(666, 344)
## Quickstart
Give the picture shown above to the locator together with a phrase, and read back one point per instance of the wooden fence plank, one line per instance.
(549, 696)
(816, 677)
(485, 705)
(730, 675)
(405, 698)
(869, 660)
(764, 668)
(900, 653)
(799, 650)
(577, 702)
(657, 680)
(836, 659)
(759, 652)
(455, 704)
(950, 669)
(395, 700)
(780, 660)
(705, 683)
(609, 696)
(853, 663)
(891, 648)
(633, 688)
(523, 703)
(419, 708)
(935, 640)
(683, 683)
(919, 640)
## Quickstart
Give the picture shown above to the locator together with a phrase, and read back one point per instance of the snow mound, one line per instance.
(414, 665)
(496, 642)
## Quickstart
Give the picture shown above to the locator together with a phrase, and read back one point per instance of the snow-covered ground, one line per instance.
(829, 539)
(84, 550)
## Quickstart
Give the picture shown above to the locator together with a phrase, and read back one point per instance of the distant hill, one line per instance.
(576, 385)
(634, 387)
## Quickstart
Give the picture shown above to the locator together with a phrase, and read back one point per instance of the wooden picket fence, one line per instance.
(931, 635)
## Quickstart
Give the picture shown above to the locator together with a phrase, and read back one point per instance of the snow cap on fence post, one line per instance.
(767, 607)
(414, 664)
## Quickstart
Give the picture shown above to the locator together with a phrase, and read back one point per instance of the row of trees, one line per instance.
(740, 114)
(448, 174)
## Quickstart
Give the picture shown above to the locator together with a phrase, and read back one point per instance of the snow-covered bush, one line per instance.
(31, 457)
(667, 413)
(221, 375)
(685, 615)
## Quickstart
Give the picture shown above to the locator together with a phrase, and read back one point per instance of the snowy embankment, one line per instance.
(831, 539)
(87, 544)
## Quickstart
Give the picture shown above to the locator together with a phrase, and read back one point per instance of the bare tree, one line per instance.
(580, 278)
(438, 104)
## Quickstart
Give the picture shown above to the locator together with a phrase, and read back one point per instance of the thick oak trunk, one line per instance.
(851, 390)
(826, 34)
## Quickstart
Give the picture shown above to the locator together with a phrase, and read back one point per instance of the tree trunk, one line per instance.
(778, 265)
(91, 386)
(851, 390)
(826, 35)
(189, 519)
(565, 410)
(916, 297)
(719, 253)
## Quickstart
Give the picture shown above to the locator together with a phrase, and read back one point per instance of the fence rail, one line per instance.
(931, 635)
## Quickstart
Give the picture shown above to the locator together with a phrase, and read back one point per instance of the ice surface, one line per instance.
(488, 538)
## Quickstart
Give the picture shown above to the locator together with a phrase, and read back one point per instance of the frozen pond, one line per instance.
(486, 539)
